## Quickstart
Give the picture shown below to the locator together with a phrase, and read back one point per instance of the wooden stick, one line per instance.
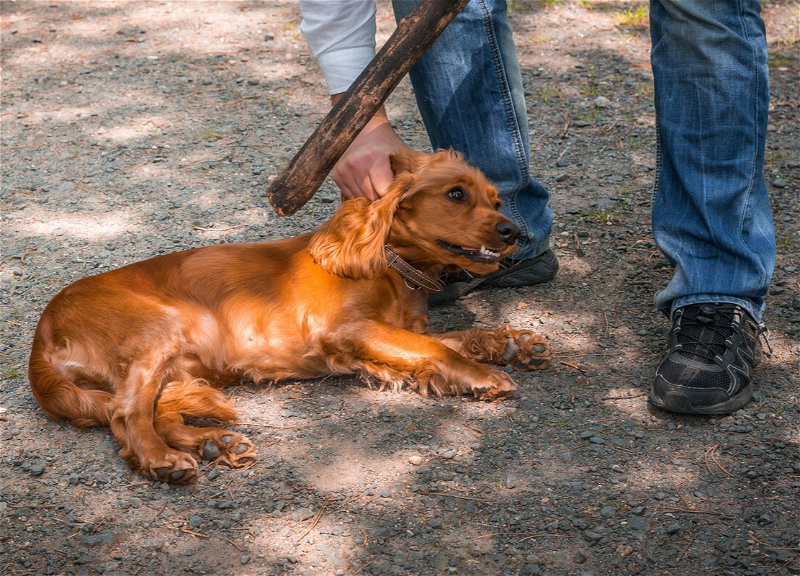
(311, 165)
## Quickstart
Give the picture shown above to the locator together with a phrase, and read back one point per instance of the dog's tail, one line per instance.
(60, 397)
(197, 399)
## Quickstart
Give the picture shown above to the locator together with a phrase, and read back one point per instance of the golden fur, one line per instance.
(140, 347)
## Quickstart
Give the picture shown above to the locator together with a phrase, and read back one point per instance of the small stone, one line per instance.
(593, 536)
(639, 523)
(674, 528)
(37, 469)
(302, 514)
(624, 550)
(253, 82)
(511, 481)
(244, 559)
(415, 459)
(602, 102)
(96, 539)
(449, 454)
(195, 521)
(562, 162)
(779, 183)
(607, 511)
(579, 558)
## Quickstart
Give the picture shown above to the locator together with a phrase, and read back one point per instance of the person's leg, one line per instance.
(711, 212)
(469, 92)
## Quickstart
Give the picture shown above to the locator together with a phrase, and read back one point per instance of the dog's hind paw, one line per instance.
(525, 350)
(229, 448)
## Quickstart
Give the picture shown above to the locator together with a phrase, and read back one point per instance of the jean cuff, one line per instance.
(753, 309)
(530, 250)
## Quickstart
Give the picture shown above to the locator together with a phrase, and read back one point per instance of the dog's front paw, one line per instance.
(173, 467)
(526, 351)
(494, 386)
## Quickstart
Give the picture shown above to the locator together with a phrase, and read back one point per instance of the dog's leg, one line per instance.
(212, 444)
(425, 363)
(521, 349)
(133, 413)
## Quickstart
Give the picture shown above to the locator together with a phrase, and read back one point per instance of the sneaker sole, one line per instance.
(680, 402)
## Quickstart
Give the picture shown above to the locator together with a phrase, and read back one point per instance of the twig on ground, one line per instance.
(184, 531)
(624, 397)
(228, 102)
(218, 229)
(478, 430)
(685, 550)
(232, 543)
(314, 522)
(692, 510)
(263, 425)
(578, 368)
(710, 454)
(678, 492)
(577, 244)
(357, 572)
(427, 493)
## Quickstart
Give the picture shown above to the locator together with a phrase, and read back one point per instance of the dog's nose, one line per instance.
(508, 231)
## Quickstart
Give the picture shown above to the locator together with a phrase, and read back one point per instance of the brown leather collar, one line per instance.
(409, 273)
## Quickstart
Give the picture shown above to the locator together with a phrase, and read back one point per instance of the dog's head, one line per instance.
(439, 211)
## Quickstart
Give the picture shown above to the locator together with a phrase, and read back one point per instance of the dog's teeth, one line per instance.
(486, 252)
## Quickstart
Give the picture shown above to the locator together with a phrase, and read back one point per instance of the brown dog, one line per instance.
(137, 347)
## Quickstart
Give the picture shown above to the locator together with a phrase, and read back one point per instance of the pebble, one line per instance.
(602, 102)
(639, 523)
(674, 528)
(415, 459)
(302, 514)
(624, 550)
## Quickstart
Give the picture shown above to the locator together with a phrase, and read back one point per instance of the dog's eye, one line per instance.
(457, 194)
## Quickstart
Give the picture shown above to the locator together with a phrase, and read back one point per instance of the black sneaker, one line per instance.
(512, 273)
(708, 366)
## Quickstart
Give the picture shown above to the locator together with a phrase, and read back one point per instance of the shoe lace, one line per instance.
(704, 330)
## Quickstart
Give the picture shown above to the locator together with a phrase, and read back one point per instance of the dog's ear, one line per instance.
(351, 243)
(407, 161)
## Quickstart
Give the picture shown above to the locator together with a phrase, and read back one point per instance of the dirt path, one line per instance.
(136, 128)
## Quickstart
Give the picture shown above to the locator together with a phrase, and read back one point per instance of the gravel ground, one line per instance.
(131, 129)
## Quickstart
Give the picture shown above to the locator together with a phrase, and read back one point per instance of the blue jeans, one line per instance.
(711, 212)
(469, 92)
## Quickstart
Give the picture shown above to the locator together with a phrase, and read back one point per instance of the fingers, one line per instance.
(365, 170)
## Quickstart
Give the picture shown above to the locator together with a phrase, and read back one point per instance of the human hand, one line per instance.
(364, 170)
